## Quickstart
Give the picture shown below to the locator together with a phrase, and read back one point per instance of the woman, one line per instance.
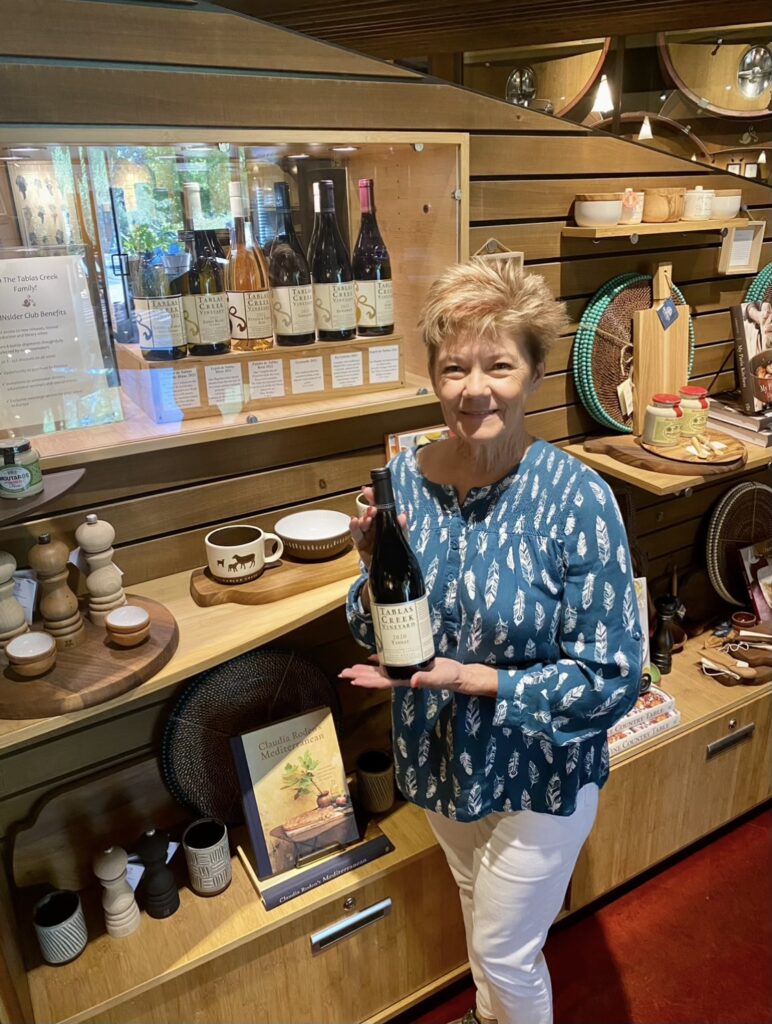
(527, 570)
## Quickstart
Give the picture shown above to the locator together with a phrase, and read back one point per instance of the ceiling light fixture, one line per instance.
(345, 149)
(762, 157)
(604, 101)
(645, 132)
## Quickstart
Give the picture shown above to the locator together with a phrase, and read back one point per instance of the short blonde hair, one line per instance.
(489, 298)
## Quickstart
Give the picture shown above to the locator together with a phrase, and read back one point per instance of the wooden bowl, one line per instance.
(129, 639)
(129, 619)
(30, 648)
(314, 535)
(663, 205)
(33, 669)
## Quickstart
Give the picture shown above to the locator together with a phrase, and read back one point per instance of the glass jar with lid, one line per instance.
(695, 408)
(20, 475)
(662, 423)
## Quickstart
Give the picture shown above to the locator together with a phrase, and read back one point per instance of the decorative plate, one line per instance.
(742, 517)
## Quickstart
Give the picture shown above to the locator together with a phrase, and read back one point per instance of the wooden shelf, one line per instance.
(54, 485)
(638, 230)
(665, 483)
(208, 636)
(111, 971)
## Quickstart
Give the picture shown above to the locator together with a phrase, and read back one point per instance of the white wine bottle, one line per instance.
(204, 299)
(400, 607)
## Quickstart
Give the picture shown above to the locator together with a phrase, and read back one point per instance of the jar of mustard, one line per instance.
(695, 408)
(20, 475)
(662, 422)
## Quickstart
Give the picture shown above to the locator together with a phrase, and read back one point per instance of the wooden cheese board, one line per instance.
(732, 450)
(284, 578)
(94, 671)
(628, 449)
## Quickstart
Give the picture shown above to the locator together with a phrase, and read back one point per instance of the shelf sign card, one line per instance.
(53, 373)
(307, 375)
(384, 364)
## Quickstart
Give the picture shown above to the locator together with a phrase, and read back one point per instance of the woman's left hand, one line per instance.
(446, 674)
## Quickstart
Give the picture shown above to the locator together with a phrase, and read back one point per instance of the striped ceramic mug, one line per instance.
(60, 926)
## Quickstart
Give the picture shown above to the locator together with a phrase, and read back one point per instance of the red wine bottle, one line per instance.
(400, 607)
(334, 298)
(372, 271)
(291, 291)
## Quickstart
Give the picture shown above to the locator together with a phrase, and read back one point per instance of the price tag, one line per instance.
(25, 590)
(667, 313)
(78, 559)
(135, 869)
(625, 393)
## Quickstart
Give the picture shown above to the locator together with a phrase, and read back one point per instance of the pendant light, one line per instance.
(645, 132)
(762, 157)
(604, 102)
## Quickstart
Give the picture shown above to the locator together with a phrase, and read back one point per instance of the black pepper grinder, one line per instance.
(662, 641)
(161, 897)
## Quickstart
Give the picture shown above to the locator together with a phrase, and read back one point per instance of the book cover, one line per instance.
(760, 438)
(276, 891)
(728, 406)
(623, 739)
(647, 707)
(757, 569)
(752, 330)
(294, 790)
(642, 599)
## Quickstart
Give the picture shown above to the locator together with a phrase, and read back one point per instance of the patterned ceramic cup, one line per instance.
(60, 926)
(208, 855)
(375, 781)
(237, 554)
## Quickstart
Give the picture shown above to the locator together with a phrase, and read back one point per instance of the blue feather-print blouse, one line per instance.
(532, 576)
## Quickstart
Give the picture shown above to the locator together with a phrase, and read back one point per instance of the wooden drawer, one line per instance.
(661, 801)
(417, 937)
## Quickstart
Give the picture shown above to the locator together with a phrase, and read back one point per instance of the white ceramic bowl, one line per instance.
(30, 647)
(127, 619)
(725, 205)
(597, 213)
(314, 535)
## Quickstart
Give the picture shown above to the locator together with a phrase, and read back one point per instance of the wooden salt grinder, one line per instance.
(95, 538)
(12, 619)
(58, 604)
(120, 907)
(159, 888)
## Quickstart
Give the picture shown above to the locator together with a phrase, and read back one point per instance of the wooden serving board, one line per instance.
(284, 578)
(626, 448)
(734, 452)
(92, 672)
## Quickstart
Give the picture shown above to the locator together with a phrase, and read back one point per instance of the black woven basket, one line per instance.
(244, 693)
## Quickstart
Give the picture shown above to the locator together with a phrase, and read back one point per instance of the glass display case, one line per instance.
(152, 285)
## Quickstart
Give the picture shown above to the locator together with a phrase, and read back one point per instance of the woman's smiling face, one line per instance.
(483, 386)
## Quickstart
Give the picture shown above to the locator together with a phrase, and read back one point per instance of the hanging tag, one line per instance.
(667, 313)
(625, 394)
(78, 559)
(25, 590)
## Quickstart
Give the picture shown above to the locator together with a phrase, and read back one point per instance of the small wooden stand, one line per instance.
(92, 672)
(199, 386)
(284, 578)
(660, 356)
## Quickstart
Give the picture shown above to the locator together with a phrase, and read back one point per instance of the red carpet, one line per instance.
(691, 944)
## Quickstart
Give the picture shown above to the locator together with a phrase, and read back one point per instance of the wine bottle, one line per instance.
(334, 299)
(372, 271)
(400, 607)
(204, 300)
(249, 298)
(291, 292)
(159, 314)
(315, 229)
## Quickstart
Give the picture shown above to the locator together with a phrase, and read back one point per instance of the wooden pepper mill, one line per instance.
(95, 538)
(58, 604)
(12, 619)
(120, 907)
(159, 889)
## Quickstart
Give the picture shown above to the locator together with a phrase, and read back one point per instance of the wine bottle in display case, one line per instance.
(400, 607)
(315, 229)
(334, 298)
(204, 299)
(372, 271)
(249, 297)
(159, 314)
(291, 292)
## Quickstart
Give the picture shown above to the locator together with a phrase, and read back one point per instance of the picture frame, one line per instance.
(741, 248)
(751, 170)
(734, 168)
(396, 443)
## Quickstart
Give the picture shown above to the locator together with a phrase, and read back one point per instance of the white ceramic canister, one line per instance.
(698, 203)
(726, 203)
(695, 408)
(662, 423)
(632, 207)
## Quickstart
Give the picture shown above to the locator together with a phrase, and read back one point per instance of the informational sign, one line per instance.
(52, 369)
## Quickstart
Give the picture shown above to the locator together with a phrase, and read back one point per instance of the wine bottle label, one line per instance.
(335, 306)
(160, 321)
(250, 314)
(403, 632)
(293, 309)
(375, 303)
(206, 319)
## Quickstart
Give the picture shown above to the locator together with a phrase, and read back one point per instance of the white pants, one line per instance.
(512, 872)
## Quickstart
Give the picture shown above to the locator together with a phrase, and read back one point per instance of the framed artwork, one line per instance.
(751, 171)
(396, 443)
(46, 215)
(735, 168)
(741, 248)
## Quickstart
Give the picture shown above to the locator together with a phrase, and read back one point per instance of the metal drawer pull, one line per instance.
(327, 937)
(729, 741)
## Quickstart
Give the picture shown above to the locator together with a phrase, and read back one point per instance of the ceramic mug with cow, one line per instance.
(237, 554)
